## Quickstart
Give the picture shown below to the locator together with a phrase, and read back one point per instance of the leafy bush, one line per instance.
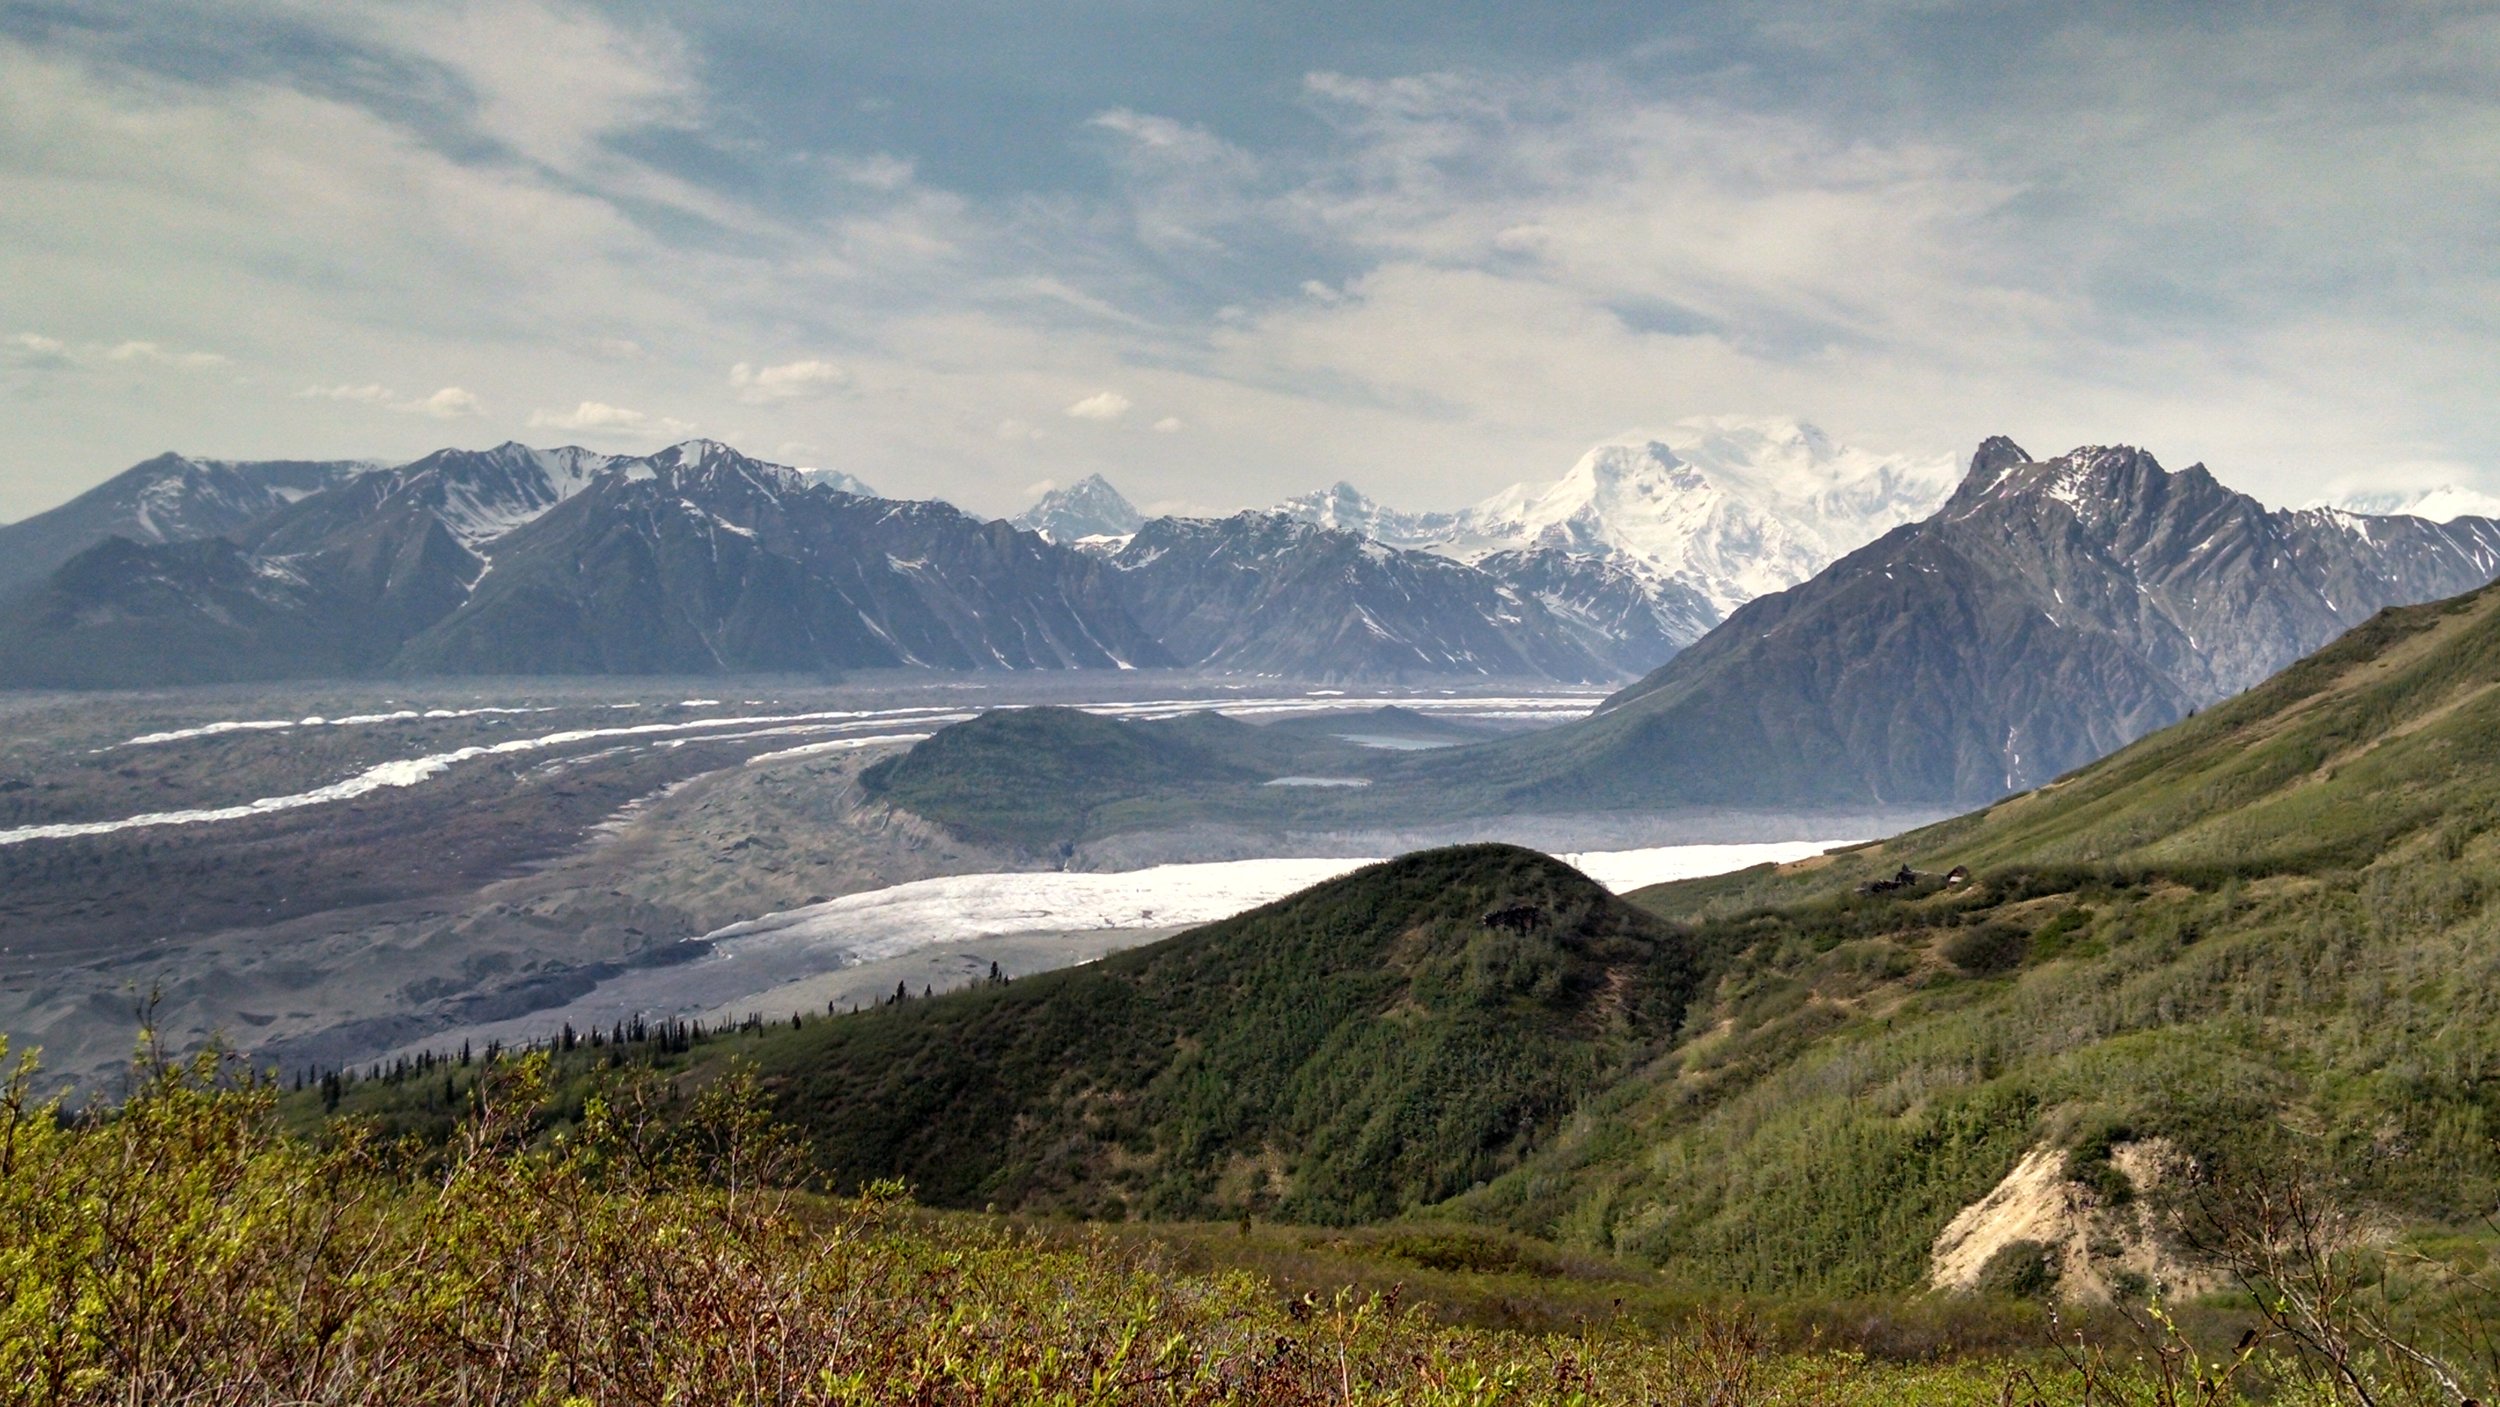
(1988, 950)
(2020, 1270)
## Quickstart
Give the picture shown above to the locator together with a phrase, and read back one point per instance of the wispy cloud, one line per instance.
(789, 381)
(1102, 405)
(449, 403)
(603, 421)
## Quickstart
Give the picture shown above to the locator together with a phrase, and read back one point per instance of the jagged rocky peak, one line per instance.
(1090, 507)
(2095, 483)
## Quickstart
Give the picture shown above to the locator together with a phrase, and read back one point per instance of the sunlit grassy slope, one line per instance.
(2266, 926)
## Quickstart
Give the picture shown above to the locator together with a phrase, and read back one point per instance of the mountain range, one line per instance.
(698, 559)
(1658, 539)
(2053, 611)
(166, 499)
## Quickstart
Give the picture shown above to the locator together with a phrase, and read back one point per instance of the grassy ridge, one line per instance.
(2264, 933)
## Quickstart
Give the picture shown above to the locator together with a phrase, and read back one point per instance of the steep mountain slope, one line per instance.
(1617, 609)
(477, 495)
(124, 615)
(2051, 612)
(1260, 592)
(700, 560)
(166, 499)
(2263, 936)
(1090, 507)
(1370, 1045)
(318, 593)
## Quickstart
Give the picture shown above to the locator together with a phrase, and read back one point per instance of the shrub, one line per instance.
(2020, 1270)
(1987, 950)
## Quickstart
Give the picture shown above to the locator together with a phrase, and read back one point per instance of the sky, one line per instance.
(1224, 252)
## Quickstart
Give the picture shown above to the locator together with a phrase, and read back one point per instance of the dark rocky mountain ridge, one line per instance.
(170, 498)
(2051, 612)
(699, 559)
(1267, 593)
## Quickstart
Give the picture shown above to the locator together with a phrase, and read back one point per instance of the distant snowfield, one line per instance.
(798, 960)
(859, 727)
(888, 922)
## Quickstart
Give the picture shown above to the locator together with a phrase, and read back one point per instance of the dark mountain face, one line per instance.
(1263, 592)
(125, 614)
(2050, 613)
(694, 560)
(477, 495)
(165, 499)
(726, 564)
(1631, 617)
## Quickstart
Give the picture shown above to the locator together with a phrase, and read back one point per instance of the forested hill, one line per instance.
(1371, 1045)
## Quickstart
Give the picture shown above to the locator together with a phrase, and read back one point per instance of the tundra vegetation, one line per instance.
(187, 1247)
(1526, 1141)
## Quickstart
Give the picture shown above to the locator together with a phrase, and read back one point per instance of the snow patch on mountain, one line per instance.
(1732, 508)
(2444, 504)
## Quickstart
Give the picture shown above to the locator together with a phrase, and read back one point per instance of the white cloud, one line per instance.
(1102, 405)
(1169, 425)
(449, 403)
(1015, 431)
(39, 344)
(789, 381)
(156, 354)
(597, 418)
(367, 395)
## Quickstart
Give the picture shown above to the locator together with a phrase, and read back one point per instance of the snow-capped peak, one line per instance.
(2444, 504)
(1732, 507)
(1344, 507)
(1088, 508)
(837, 481)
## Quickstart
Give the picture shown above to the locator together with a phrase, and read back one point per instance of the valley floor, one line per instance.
(325, 874)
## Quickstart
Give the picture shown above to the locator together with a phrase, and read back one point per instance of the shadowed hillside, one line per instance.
(1377, 1043)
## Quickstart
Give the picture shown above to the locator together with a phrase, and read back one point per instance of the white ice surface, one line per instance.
(885, 922)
